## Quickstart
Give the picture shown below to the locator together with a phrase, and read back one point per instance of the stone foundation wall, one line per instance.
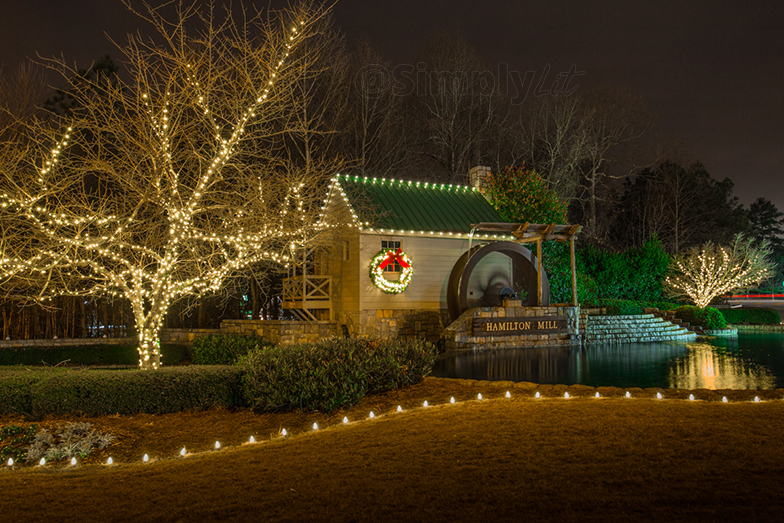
(393, 323)
(167, 336)
(459, 335)
(282, 332)
(183, 336)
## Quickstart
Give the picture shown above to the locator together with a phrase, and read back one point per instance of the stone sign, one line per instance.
(520, 326)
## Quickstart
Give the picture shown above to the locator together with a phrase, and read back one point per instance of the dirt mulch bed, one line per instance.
(499, 459)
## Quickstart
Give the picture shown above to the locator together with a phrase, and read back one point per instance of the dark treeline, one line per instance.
(432, 120)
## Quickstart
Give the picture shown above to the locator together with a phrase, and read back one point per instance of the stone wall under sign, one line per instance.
(513, 325)
(393, 323)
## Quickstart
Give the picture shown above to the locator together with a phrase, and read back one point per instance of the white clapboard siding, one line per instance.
(432, 259)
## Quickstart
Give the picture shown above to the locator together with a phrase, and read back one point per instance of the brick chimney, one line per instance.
(476, 176)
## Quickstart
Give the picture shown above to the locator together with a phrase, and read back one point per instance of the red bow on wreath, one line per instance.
(394, 257)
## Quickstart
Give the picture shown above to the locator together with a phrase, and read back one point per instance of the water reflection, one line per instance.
(747, 362)
(709, 367)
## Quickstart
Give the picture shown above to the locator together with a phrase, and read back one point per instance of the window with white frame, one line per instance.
(391, 245)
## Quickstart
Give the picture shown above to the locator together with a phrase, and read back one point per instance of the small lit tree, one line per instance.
(702, 273)
(161, 186)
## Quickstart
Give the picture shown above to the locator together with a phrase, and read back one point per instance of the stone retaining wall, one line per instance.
(66, 342)
(183, 336)
(459, 335)
(758, 328)
(282, 332)
(721, 333)
(167, 337)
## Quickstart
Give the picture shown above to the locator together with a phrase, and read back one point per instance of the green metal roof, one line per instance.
(415, 206)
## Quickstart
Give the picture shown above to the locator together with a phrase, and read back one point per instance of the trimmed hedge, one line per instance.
(101, 392)
(332, 373)
(631, 306)
(708, 318)
(752, 316)
(86, 355)
(320, 376)
(224, 349)
(16, 390)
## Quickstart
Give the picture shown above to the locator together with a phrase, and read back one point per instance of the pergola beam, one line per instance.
(537, 233)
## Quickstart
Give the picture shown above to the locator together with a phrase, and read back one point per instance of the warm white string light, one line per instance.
(337, 188)
(710, 271)
(283, 432)
(101, 250)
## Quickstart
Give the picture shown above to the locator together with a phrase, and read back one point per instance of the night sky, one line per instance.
(712, 71)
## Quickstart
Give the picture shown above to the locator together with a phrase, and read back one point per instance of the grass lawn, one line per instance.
(499, 459)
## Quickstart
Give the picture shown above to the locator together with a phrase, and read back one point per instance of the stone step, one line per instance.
(678, 332)
(668, 332)
(622, 316)
(624, 328)
(631, 328)
(623, 321)
(656, 334)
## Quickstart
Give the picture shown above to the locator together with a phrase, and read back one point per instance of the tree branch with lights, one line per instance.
(161, 186)
(703, 273)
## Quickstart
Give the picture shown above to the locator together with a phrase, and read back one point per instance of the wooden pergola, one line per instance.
(539, 232)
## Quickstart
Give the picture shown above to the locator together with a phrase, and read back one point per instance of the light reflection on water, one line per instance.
(751, 361)
(706, 366)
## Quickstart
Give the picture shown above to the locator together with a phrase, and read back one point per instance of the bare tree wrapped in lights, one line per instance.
(162, 185)
(703, 273)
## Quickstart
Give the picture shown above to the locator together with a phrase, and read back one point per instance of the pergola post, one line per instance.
(539, 272)
(574, 271)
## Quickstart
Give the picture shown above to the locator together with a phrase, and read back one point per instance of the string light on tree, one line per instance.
(703, 273)
(180, 203)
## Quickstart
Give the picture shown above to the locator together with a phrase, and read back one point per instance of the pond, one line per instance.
(750, 361)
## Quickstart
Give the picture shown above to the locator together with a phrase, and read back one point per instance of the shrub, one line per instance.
(707, 318)
(16, 390)
(753, 316)
(635, 274)
(631, 306)
(331, 373)
(101, 392)
(224, 349)
(556, 261)
(13, 441)
(76, 439)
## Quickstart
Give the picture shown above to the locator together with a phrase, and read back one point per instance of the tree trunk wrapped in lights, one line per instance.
(704, 273)
(161, 186)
